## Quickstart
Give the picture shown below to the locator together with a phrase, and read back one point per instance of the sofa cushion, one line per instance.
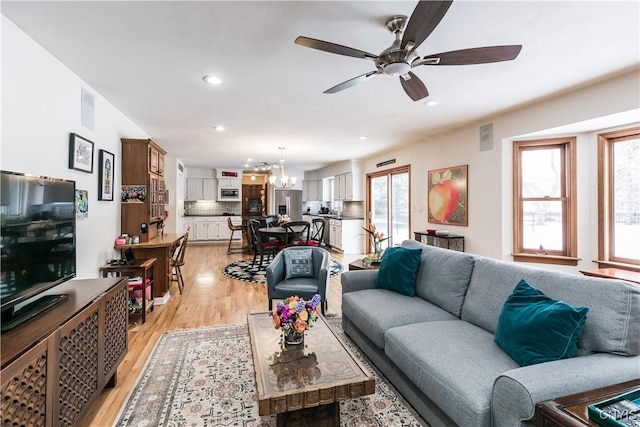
(614, 305)
(398, 270)
(534, 328)
(443, 276)
(373, 311)
(454, 363)
(298, 263)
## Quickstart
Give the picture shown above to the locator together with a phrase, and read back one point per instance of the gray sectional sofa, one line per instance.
(438, 348)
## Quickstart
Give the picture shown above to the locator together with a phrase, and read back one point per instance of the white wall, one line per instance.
(40, 108)
(582, 113)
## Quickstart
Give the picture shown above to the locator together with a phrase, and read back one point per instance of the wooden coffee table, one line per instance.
(572, 411)
(317, 374)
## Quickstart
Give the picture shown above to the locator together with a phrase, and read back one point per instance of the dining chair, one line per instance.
(234, 228)
(283, 283)
(260, 243)
(318, 226)
(298, 233)
(177, 261)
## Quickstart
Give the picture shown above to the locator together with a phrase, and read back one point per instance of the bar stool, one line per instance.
(233, 229)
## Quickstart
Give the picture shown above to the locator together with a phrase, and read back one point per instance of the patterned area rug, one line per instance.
(205, 377)
(243, 270)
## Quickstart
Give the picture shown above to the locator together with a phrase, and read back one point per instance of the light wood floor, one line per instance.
(209, 298)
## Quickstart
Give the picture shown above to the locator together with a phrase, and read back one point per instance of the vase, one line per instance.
(293, 337)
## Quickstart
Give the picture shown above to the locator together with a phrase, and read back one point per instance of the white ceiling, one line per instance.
(148, 59)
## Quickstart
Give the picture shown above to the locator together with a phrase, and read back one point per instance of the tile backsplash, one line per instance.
(205, 207)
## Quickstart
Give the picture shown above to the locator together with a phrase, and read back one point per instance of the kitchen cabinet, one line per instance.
(213, 227)
(229, 182)
(209, 189)
(335, 233)
(142, 170)
(343, 186)
(201, 189)
(194, 189)
(347, 236)
(310, 191)
(346, 186)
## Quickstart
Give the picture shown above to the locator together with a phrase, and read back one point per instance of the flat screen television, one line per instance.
(38, 243)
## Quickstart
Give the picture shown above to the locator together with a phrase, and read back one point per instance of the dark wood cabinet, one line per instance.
(142, 166)
(55, 365)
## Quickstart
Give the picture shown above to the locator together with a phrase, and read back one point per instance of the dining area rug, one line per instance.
(245, 271)
(205, 377)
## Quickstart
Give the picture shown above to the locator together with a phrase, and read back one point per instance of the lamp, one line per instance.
(282, 181)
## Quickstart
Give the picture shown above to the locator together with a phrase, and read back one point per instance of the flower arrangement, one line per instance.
(294, 315)
(283, 219)
(377, 237)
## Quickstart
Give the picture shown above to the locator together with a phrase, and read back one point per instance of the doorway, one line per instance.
(388, 203)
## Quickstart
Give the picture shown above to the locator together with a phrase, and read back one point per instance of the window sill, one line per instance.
(546, 259)
(618, 265)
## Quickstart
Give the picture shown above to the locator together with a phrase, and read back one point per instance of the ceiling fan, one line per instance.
(401, 57)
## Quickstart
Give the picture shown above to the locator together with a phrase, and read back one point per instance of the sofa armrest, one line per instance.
(358, 280)
(516, 392)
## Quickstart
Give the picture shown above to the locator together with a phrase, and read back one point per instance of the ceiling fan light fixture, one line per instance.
(397, 69)
(212, 80)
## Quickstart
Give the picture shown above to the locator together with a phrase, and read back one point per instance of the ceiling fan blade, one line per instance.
(414, 87)
(424, 19)
(334, 48)
(352, 82)
(477, 55)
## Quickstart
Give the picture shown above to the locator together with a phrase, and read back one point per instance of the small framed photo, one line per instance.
(80, 153)
(105, 171)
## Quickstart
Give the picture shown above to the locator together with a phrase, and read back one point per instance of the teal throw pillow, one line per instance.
(298, 263)
(533, 328)
(398, 270)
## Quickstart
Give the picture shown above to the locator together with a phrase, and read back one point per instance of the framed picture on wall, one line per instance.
(447, 196)
(80, 153)
(105, 175)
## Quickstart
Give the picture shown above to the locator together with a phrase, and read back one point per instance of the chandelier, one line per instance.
(282, 181)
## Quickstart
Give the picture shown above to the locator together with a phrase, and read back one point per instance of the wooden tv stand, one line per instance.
(55, 365)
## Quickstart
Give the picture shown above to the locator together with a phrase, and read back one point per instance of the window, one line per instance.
(544, 211)
(619, 198)
(388, 203)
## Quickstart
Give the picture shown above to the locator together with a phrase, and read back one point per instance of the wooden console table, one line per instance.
(450, 241)
(614, 273)
(55, 365)
(142, 268)
(161, 248)
(571, 411)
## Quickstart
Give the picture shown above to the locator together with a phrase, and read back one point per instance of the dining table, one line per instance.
(277, 232)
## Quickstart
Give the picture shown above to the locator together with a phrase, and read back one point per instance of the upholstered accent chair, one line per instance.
(286, 275)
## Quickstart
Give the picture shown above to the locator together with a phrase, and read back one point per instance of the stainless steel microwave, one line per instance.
(229, 194)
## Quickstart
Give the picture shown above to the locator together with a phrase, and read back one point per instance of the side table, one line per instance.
(571, 411)
(142, 268)
(361, 265)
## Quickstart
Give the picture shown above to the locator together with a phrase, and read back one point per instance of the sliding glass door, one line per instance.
(388, 203)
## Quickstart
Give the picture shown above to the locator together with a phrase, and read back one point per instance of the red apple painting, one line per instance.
(447, 199)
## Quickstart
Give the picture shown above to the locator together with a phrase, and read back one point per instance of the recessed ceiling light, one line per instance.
(219, 128)
(431, 103)
(212, 80)
(364, 137)
(249, 160)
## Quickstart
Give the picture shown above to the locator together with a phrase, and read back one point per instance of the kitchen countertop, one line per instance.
(188, 215)
(334, 216)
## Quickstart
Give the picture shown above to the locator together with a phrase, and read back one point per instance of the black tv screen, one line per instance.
(38, 250)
